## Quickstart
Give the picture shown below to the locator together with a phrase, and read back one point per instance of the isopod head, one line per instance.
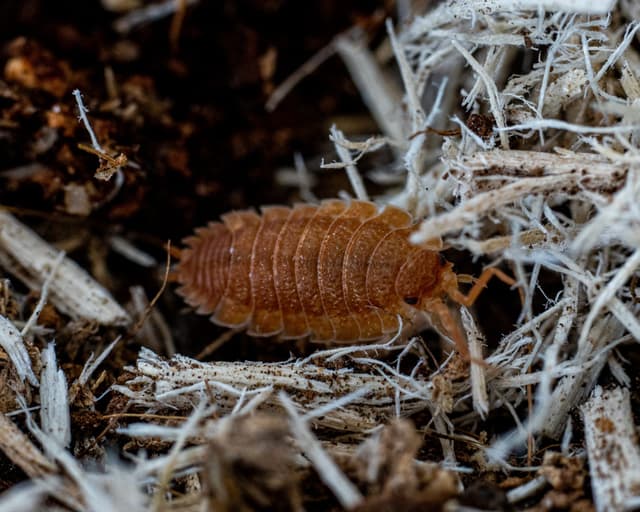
(420, 278)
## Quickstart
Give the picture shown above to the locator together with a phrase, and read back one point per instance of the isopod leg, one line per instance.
(450, 325)
(479, 285)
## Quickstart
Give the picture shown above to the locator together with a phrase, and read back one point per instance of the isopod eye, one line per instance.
(412, 301)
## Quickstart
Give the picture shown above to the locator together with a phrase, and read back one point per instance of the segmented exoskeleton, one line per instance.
(337, 272)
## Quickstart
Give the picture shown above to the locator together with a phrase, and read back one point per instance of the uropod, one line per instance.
(340, 271)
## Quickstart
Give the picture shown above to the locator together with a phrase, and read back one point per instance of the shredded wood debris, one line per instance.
(158, 384)
(72, 290)
(511, 132)
(54, 407)
(612, 447)
(12, 343)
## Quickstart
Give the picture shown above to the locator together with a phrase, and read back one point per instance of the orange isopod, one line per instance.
(337, 272)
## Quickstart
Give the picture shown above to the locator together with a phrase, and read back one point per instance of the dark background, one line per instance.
(189, 113)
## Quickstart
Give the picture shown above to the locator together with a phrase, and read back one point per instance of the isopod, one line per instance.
(337, 272)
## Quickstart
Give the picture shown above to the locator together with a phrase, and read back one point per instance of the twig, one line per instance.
(352, 172)
(282, 90)
(13, 344)
(147, 14)
(33, 318)
(114, 165)
(186, 430)
(174, 383)
(343, 489)
(477, 376)
(71, 289)
(20, 450)
(54, 413)
(614, 457)
(492, 93)
(82, 112)
(22, 498)
(377, 90)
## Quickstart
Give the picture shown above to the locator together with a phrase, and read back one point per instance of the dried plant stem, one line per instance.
(71, 289)
(612, 447)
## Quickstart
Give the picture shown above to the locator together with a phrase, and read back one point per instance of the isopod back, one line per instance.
(336, 272)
